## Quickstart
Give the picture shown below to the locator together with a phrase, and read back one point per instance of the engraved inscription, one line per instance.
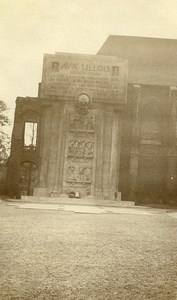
(70, 74)
(78, 148)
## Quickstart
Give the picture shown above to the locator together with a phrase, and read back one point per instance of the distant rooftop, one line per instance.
(151, 60)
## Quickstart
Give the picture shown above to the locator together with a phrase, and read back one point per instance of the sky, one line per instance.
(30, 28)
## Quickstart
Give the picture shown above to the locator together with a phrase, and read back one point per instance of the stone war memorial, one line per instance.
(101, 124)
(76, 128)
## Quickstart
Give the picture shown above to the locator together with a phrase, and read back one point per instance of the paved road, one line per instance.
(87, 209)
(172, 213)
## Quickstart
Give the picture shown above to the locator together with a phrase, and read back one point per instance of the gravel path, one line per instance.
(62, 255)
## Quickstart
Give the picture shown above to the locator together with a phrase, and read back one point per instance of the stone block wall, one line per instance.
(148, 163)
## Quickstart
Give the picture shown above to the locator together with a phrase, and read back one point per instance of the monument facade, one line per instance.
(78, 117)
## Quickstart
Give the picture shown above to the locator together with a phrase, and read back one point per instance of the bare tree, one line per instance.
(4, 137)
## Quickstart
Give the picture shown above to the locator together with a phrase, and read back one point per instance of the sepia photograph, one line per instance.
(88, 150)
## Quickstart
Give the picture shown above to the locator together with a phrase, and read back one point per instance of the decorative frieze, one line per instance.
(80, 148)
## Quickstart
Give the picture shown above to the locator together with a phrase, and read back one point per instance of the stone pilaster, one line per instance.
(99, 127)
(107, 137)
(53, 148)
(172, 138)
(59, 169)
(134, 155)
(115, 154)
(44, 153)
(172, 119)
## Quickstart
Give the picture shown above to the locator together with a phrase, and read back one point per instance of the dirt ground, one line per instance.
(59, 255)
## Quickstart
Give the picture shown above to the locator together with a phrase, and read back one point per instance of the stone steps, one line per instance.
(84, 201)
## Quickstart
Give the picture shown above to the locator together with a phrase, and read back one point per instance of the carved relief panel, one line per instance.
(79, 174)
(80, 148)
(79, 151)
(80, 122)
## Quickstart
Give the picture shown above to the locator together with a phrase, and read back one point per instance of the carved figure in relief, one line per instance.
(83, 103)
(91, 123)
(88, 174)
(89, 149)
(55, 66)
(82, 175)
(71, 173)
(85, 174)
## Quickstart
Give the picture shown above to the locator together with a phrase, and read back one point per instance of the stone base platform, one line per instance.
(84, 201)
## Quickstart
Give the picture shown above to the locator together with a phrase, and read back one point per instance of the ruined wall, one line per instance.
(27, 110)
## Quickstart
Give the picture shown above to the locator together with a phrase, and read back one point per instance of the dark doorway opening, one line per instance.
(152, 179)
(28, 178)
